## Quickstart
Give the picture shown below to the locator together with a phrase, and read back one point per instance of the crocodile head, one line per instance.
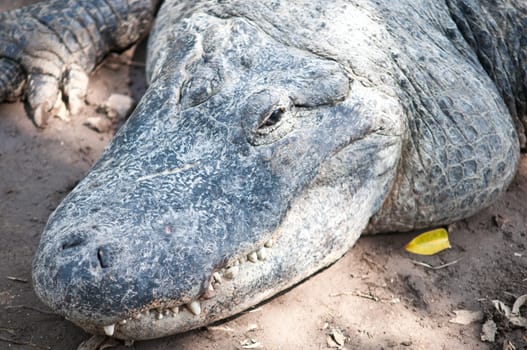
(245, 168)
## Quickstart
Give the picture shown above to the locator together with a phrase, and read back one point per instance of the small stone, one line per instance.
(338, 337)
(98, 124)
(465, 317)
(251, 344)
(500, 221)
(488, 331)
(252, 327)
(119, 106)
(331, 343)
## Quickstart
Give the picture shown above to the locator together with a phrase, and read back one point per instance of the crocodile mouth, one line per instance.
(225, 296)
(163, 317)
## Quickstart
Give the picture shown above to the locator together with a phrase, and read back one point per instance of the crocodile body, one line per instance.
(272, 135)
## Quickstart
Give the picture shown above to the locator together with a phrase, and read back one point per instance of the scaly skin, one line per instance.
(496, 31)
(50, 46)
(272, 135)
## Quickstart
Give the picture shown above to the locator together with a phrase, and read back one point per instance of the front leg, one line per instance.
(47, 49)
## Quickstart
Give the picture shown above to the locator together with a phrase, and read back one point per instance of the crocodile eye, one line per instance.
(272, 119)
(267, 116)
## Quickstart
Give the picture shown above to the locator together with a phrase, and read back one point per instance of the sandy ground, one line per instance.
(376, 297)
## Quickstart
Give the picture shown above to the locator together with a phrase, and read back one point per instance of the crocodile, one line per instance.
(271, 136)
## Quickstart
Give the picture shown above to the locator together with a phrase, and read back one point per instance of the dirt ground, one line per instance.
(375, 297)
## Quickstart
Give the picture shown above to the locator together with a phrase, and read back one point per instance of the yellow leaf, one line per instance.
(429, 243)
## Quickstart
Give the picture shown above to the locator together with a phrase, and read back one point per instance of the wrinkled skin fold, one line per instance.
(304, 124)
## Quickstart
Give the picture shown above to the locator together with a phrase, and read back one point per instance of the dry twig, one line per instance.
(428, 266)
(357, 293)
(17, 279)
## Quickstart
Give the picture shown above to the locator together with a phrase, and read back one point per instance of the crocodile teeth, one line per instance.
(166, 312)
(122, 322)
(108, 330)
(175, 310)
(209, 293)
(231, 272)
(253, 257)
(262, 253)
(217, 277)
(269, 243)
(194, 307)
(159, 315)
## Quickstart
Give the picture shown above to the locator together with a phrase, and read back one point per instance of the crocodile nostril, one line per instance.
(106, 256)
(101, 258)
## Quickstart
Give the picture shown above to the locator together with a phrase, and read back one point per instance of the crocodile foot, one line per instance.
(39, 65)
